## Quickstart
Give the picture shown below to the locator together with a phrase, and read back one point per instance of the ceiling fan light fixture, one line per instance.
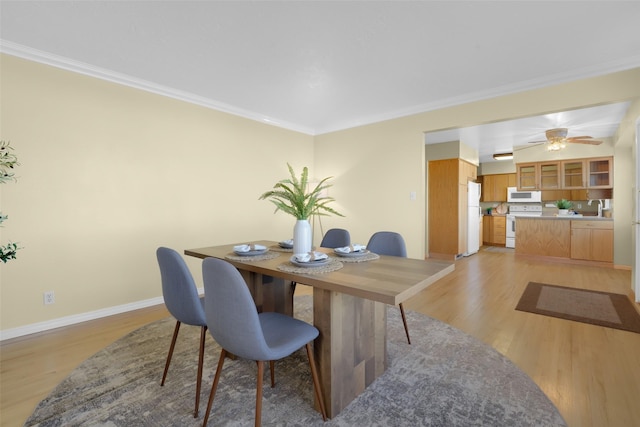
(556, 144)
(503, 156)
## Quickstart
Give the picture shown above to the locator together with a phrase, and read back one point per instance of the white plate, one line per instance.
(352, 254)
(318, 263)
(252, 253)
(284, 245)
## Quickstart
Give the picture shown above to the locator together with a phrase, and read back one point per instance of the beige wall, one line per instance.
(451, 150)
(109, 173)
(623, 180)
(503, 166)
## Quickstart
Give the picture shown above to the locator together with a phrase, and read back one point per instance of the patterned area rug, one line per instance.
(594, 307)
(444, 378)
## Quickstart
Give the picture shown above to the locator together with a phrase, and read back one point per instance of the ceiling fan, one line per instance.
(557, 139)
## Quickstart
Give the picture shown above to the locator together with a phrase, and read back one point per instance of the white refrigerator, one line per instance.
(473, 218)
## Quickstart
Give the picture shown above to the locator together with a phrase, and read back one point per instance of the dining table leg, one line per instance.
(271, 294)
(351, 349)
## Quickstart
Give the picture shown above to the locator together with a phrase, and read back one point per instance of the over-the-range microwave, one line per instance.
(523, 196)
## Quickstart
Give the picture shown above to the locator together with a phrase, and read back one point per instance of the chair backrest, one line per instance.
(178, 288)
(230, 311)
(387, 243)
(336, 238)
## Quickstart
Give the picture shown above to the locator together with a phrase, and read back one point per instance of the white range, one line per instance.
(515, 211)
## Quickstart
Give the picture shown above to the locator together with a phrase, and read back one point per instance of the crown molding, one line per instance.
(555, 79)
(64, 63)
(35, 55)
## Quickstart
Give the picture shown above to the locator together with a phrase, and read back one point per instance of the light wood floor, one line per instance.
(591, 373)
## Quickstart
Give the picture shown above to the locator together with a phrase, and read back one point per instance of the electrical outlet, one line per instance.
(49, 297)
(579, 205)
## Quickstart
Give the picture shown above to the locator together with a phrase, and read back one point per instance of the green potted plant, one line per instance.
(292, 196)
(563, 206)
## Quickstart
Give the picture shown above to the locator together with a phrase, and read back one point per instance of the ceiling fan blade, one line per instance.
(579, 137)
(584, 141)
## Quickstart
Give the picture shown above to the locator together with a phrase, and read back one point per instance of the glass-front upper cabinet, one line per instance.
(527, 176)
(570, 174)
(600, 172)
(573, 174)
(549, 175)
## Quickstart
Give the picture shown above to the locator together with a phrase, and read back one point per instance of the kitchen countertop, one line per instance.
(571, 217)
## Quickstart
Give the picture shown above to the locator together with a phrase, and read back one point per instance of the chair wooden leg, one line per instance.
(173, 344)
(273, 373)
(316, 381)
(203, 335)
(223, 353)
(259, 393)
(404, 320)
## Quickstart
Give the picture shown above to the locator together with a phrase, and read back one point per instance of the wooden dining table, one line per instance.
(349, 307)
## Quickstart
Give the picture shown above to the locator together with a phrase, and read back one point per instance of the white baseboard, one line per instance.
(79, 318)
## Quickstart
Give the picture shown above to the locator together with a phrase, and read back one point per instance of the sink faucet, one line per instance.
(599, 206)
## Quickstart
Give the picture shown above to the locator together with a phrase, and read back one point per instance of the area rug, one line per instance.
(582, 305)
(444, 378)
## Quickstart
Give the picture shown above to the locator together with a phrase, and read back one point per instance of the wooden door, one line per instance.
(580, 243)
(499, 230)
(486, 229)
(500, 185)
(602, 245)
(443, 206)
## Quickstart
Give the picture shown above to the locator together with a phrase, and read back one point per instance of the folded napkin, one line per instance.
(287, 242)
(311, 256)
(248, 248)
(351, 248)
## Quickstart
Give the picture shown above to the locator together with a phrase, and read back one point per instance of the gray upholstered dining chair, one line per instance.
(392, 244)
(181, 298)
(240, 330)
(336, 238)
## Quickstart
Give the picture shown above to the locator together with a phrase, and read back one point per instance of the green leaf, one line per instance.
(290, 196)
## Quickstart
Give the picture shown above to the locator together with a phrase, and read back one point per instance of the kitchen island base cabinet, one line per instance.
(583, 241)
(592, 240)
(543, 237)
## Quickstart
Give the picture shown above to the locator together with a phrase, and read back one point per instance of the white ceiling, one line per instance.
(319, 66)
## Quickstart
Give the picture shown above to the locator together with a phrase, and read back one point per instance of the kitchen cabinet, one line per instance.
(538, 176)
(581, 240)
(527, 176)
(549, 175)
(447, 197)
(544, 237)
(600, 173)
(592, 240)
(494, 230)
(574, 174)
(494, 187)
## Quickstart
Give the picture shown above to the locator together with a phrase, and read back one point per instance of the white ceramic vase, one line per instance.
(302, 237)
(563, 211)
